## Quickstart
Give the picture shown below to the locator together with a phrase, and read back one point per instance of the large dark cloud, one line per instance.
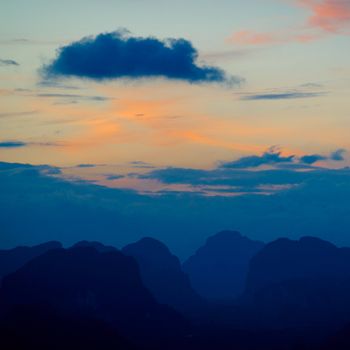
(117, 55)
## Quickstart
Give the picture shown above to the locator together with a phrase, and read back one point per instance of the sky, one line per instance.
(217, 98)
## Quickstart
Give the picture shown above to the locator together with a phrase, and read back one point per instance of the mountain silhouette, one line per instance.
(40, 328)
(300, 284)
(162, 274)
(13, 259)
(218, 269)
(83, 281)
(340, 340)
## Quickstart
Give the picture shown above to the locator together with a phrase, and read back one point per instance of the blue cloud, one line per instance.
(17, 144)
(12, 144)
(338, 155)
(117, 55)
(270, 157)
(312, 158)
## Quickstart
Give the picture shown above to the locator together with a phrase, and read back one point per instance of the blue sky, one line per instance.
(215, 99)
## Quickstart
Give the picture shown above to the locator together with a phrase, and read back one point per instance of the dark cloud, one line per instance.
(117, 55)
(86, 166)
(245, 175)
(230, 179)
(270, 157)
(282, 96)
(338, 155)
(18, 144)
(8, 63)
(12, 144)
(114, 177)
(312, 158)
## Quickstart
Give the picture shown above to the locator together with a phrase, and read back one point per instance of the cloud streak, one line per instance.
(12, 144)
(282, 96)
(74, 97)
(19, 144)
(4, 62)
(118, 55)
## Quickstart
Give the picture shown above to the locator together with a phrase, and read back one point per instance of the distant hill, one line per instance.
(162, 274)
(13, 259)
(300, 283)
(83, 281)
(218, 269)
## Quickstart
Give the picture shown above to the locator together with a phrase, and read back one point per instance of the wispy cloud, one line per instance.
(74, 97)
(282, 96)
(140, 164)
(19, 144)
(307, 90)
(86, 165)
(4, 62)
(17, 114)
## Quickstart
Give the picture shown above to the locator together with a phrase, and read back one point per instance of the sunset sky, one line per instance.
(283, 81)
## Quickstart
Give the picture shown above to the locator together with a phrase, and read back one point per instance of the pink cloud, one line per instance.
(247, 37)
(251, 38)
(331, 16)
(326, 17)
